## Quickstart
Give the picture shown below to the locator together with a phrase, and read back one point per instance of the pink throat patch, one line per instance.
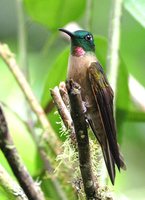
(79, 51)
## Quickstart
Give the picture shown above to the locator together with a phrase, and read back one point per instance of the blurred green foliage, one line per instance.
(67, 11)
(136, 9)
(47, 57)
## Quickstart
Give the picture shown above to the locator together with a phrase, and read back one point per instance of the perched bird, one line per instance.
(85, 69)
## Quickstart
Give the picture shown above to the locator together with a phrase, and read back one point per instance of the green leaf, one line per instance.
(55, 14)
(137, 9)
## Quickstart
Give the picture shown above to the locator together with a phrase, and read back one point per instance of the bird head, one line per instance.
(81, 41)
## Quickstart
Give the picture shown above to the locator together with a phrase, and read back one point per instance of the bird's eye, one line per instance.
(89, 37)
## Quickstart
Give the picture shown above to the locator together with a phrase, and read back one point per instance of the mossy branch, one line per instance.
(78, 116)
(8, 148)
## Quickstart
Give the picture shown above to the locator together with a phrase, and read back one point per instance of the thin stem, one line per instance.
(113, 44)
(23, 62)
(10, 186)
(89, 15)
(22, 48)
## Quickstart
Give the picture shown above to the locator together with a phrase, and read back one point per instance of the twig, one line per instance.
(9, 59)
(31, 189)
(10, 186)
(63, 111)
(64, 94)
(78, 116)
(113, 45)
(49, 107)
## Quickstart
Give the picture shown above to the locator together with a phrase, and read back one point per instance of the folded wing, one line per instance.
(103, 95)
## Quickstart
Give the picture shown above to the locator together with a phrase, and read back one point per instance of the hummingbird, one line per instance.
(97, 95)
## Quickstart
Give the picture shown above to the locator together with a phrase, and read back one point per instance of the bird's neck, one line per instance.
(79, 51)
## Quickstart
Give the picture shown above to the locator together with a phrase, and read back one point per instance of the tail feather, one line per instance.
(109, 161)
(122, 163)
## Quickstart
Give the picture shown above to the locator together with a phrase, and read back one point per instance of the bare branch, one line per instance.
(64, 94)
(49, 107)
(31, 189)
(44, 156)
(63, 110)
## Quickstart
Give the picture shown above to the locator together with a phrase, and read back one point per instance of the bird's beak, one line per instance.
(66, 31)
